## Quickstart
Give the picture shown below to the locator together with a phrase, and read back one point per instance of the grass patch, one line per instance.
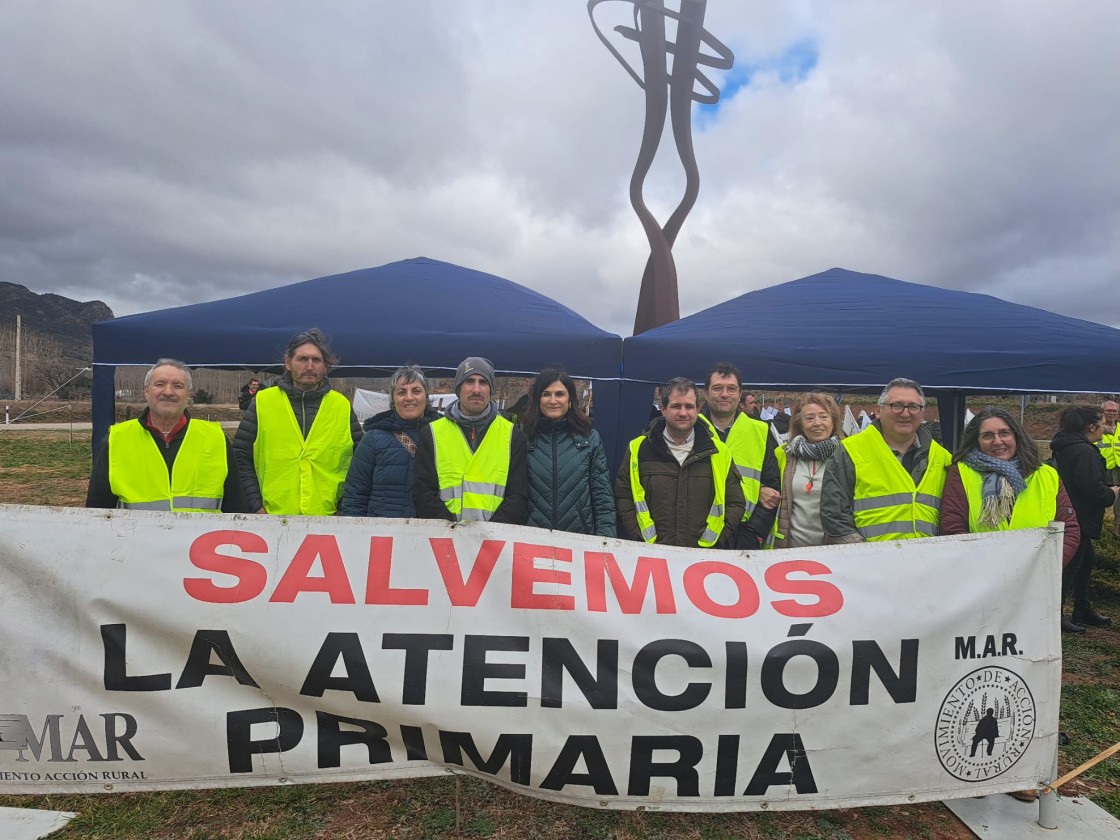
(1091, 686)
(44, 468)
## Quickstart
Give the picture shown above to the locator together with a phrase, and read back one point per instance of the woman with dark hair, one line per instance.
(379, 482)
(1081, 466)
(814, 432)
(569, 486)
(997, 482)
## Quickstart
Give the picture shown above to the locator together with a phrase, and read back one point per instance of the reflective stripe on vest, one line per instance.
(138, 473)
(776, 539)
(472, 484)
(713, 527)
(747, 440)
(298, 475)
(886, 505)
(1035, 507)
(1109, 446)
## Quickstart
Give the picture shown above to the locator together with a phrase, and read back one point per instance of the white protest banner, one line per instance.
(148, 651)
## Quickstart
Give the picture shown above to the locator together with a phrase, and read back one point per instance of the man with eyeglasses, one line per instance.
(1109, 446)
(885, 483)
(296, 439)
(752, 452)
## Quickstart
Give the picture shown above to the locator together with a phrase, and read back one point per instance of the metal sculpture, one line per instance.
(669, 93)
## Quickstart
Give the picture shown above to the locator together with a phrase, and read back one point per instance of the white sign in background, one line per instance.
(148, 651)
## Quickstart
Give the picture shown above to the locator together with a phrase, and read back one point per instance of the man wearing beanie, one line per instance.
(470, 464)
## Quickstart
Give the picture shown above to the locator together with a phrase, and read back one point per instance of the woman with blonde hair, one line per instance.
(814, 433)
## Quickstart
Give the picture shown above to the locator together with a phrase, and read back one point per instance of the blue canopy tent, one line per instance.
(422, 311)
(843, 330)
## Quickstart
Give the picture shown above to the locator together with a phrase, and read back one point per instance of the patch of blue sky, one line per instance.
(791, 66)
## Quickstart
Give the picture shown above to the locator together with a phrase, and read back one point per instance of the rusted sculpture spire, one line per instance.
(669, 94)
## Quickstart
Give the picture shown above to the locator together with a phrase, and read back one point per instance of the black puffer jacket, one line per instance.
(1081, 467)
(569, 485)
(305, 404)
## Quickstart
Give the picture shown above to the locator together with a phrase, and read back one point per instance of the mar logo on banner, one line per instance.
(985, 724)
(61, 736)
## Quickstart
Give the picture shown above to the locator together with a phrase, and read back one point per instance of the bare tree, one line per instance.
(39, 350)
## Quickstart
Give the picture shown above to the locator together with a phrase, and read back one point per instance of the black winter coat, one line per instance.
(1081, 467)
(569, 484)
(379, 482)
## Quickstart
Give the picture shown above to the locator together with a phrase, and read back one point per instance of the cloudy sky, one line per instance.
(160, 153)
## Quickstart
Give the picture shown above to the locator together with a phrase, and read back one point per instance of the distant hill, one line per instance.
(62, 319)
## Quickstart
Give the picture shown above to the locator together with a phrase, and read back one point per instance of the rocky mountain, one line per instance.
(59, 318)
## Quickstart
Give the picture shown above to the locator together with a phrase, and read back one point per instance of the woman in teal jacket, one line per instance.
(569, 485)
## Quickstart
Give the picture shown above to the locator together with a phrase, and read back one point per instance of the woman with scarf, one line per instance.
(997, 482)
(815, 433)
(569, 485)
(379, 482)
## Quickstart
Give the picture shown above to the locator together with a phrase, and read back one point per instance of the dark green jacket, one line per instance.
(569, 485)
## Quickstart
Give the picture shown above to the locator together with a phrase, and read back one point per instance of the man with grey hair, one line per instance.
(165, 459)
(296, 439)
(885, 483)
(471, 464)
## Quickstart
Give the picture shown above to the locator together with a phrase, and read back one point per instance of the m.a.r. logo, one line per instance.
(69, 738)
(985, 724)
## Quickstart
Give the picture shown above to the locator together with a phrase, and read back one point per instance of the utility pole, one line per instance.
(19, 368)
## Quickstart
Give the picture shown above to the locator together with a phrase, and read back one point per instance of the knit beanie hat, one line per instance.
(472, 365)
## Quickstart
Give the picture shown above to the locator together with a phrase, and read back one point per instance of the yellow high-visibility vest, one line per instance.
(298, 475)
(138, 473)
(721, 467)
(747, 440)
(1035, 507)
(1109, 445)
(886, 505)
(472, 484)
(776, 539)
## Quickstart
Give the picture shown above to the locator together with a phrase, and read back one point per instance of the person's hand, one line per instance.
(768, 497)
(261, 510)
(1116, 491)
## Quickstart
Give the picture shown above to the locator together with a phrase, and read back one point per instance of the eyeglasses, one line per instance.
(724, 389)
(1002, 434)
(912, 408)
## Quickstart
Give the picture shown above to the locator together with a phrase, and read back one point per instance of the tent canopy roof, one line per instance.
(421, 310)
(844, 329)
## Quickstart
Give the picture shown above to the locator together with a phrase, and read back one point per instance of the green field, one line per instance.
(49, 468)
